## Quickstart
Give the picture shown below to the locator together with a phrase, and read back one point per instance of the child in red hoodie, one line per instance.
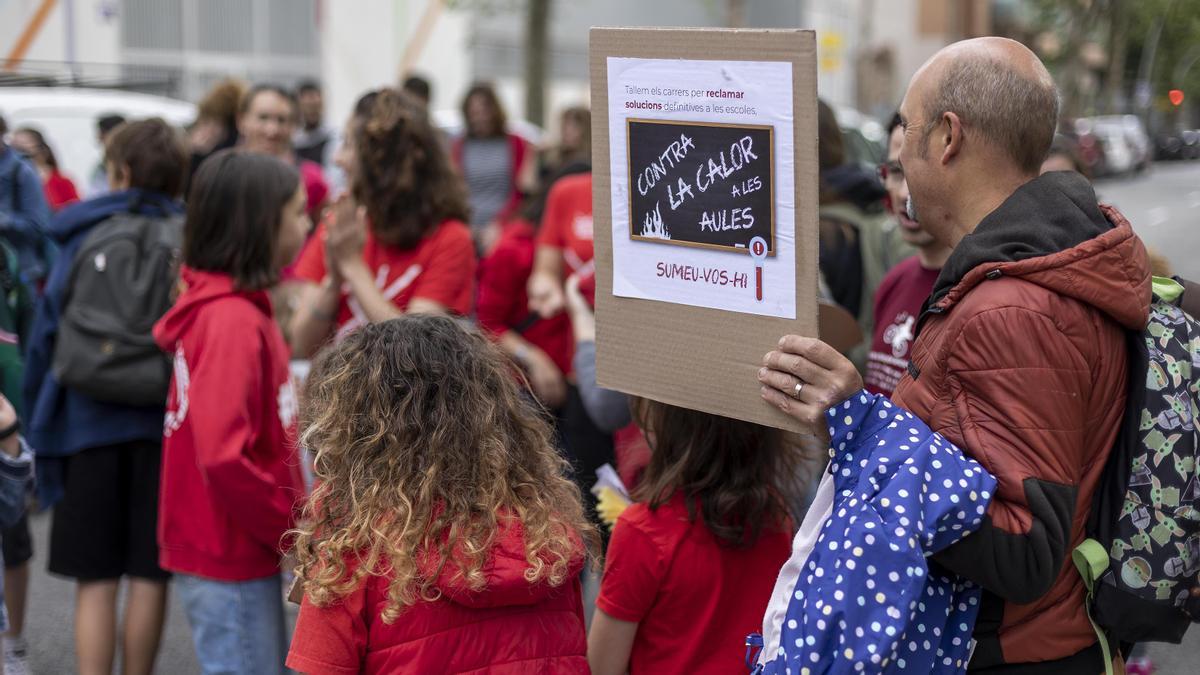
(230, 476)
(443, 535)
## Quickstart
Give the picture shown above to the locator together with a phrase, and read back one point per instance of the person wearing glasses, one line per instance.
(859, 243)
(903, 290)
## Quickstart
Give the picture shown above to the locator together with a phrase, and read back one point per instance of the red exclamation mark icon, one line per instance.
(758, 252)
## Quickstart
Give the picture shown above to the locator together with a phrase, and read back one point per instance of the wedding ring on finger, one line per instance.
(796, 391)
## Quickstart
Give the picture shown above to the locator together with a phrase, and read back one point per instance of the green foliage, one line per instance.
(1180, 33)
(1078, 21)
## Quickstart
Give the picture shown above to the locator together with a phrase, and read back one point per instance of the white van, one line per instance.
(67, 117)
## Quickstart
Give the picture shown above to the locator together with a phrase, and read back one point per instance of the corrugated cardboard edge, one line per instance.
(695, 357)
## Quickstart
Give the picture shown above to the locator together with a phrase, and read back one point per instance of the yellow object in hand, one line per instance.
(610, 504)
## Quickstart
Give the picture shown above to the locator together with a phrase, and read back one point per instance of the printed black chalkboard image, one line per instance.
(701, 184)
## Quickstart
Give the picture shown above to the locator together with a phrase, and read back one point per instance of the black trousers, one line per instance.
(584, 445)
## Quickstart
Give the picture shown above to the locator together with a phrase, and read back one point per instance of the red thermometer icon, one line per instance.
(758, 252)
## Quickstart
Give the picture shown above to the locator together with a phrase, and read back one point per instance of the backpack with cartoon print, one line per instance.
(1141, 563)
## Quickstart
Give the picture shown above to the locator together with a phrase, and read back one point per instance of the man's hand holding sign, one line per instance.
(804, 377)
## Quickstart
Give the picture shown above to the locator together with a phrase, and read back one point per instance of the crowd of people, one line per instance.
(426, 482)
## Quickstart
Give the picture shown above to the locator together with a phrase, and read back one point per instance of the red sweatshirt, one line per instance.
(503, 305)
(230, 473)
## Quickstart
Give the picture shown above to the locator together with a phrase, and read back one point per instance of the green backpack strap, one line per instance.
(1091, 560)
(1166, 289)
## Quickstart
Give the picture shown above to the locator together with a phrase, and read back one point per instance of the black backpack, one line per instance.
(1141, 562)
(120, 285)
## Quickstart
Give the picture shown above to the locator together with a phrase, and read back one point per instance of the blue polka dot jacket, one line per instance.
(858, 594)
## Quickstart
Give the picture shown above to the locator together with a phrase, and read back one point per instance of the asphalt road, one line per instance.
(1163, 204)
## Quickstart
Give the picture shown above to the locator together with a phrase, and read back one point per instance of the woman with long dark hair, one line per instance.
(498, 166)
(692, 562)
(59, 189)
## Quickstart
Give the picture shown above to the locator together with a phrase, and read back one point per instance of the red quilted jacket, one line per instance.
(1020, 360)
(508, 628)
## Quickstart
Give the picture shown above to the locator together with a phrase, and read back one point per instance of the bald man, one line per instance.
(1020, 355)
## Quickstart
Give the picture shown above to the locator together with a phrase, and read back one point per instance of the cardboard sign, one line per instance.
(705, 210)
(710, 187)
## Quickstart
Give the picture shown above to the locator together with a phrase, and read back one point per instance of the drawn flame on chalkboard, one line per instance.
(653, 225)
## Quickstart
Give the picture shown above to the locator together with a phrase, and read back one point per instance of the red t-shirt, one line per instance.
(693, 599)
(440, 268)
(60, 191)
(567, 221)
(897, 309)
(503, 304)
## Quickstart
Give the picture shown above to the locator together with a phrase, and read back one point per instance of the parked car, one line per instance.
(1191, 143)
(67, 116)
(1136, 138)
(1168, 146)
(1119, 157)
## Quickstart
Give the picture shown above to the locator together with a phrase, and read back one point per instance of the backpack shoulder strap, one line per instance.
(1091, 560)
(14, 176)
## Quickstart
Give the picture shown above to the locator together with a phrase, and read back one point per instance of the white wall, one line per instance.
(363, 50)
(836, 23)
(96, 27)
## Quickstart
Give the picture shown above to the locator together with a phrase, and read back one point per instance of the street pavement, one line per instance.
(1163, 204)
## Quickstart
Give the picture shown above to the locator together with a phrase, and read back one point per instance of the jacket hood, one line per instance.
(197, 289)
(504, 571)
(83, 215)
(1051, 232)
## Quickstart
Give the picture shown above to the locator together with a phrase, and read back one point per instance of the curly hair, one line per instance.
(424, 449)
(738, 476)
(222, 101)
(404, 177)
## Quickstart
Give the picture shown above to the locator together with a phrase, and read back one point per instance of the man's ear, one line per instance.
(952, 136)
(119, 175)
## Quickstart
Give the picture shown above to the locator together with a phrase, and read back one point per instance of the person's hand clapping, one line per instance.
(204, 135)
(545, 295)
(545, 379)
(805, 377)
(583, 319)
(346, 234)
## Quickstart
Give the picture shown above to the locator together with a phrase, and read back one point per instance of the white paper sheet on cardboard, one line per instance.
(720, 173)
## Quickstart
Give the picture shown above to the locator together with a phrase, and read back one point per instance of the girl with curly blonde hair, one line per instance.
(443, 535)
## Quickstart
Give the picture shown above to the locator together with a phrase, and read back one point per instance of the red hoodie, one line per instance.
(508, 628)
(230, 473)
